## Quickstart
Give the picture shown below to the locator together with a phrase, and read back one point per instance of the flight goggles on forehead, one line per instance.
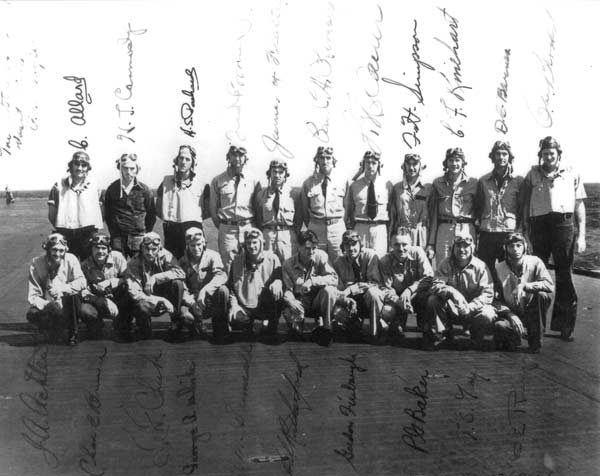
(235, 150)
(323, 151)
(463, 239)
(151, 239)
(514, 238)
(100, 239)
(193, 234)
(369, 154)
(252, 234)
(54, 239)
(350, 237)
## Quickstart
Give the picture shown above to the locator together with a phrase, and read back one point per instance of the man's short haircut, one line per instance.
(307, 235)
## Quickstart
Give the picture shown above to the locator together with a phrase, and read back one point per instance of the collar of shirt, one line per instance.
(186, 183)
(551, 175)
(402, 261)
(410, 188)
(457, 268)
(461, 178)
(272, 190)
(298, 264)
(109, 262)
(230, 173)
(78, 188)
(492, 176)
(322, 177)
(127, 190)
(253, 266)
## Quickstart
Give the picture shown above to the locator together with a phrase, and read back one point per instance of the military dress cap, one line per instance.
(53, 239)
(194, 233)
(151, 238)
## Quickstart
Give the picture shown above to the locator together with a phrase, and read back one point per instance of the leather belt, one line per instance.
(244, 222)
(327, 221)
(373, 222)
(454, 221)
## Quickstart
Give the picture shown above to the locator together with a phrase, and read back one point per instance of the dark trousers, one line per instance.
(78, 240)
(129, 245)
(268, 309)
(533, 318)
(490, 248)
(53, 321)
(175, 235)
(144, 310)
(553, 234)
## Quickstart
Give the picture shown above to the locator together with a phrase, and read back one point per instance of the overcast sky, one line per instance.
(282, 78)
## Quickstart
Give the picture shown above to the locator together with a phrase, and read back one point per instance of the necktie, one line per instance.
(276, 204)
(237, 182)
(356, 270)
(371, 201)
(324, 187)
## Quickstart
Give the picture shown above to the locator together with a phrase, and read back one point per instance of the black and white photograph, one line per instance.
(285, 237)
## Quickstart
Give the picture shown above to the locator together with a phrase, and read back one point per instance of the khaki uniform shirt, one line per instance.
(68, 277)
(473, 281)
(356, 205)
(230, 203)
(314, 204)
(410, 273)
(295, 274)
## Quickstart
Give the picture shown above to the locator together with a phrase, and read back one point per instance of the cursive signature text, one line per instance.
(37, 427)
(502, 93)
(288, 424)
(346, 409)
(455, 87)
(413, 435)
(87, 460)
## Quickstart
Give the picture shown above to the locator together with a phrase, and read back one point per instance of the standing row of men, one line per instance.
(546, 205)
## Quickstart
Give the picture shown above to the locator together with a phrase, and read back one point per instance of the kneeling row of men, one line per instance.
(259, 290)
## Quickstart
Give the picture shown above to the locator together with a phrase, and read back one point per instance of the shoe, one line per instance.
(431, 341)
(566, 335)
(322, 336)
(174, 332)
(72, 340)
(145, 329)
(198, 330)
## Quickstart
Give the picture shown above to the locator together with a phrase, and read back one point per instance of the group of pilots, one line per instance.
(455, 252)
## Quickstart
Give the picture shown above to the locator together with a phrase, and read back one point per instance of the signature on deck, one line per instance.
(87, 460)
(37, 428)
(346, 409)
(288, 424)
(413, 435)
(147, 415)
